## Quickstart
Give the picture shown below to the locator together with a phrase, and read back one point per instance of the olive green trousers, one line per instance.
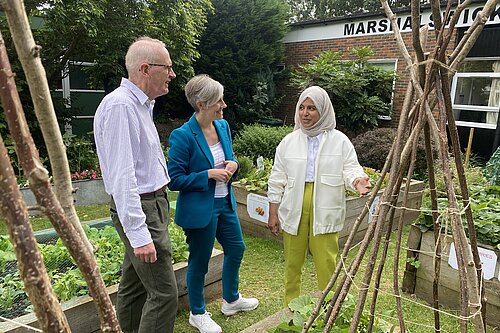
(324, 249)
(147, 294)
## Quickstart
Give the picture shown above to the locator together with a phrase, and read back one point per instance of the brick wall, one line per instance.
(385, 47)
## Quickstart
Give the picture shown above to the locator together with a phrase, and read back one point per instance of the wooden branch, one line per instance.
(42, 189)
(396, 289)
(471, 35)
(437, 229)
(29, 259)
(29, 55)
(456, 222)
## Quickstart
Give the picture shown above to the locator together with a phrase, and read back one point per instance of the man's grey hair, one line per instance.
(142, 50)
(202, 88)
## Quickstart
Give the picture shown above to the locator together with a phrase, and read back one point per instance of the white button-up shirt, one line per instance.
(130, 155)
(312, 152)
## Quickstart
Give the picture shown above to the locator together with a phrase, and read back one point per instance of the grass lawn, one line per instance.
(261, 276)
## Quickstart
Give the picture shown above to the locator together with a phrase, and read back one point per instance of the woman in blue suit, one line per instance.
(201, 165)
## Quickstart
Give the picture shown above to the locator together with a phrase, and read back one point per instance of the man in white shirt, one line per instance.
(135, 175)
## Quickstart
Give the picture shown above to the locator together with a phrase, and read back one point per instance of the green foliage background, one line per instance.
(359, 91)
(258, 140)
(304, 10)
(241, 48)
(492, 169)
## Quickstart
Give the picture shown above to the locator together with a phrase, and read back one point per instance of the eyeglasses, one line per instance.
(167, 67)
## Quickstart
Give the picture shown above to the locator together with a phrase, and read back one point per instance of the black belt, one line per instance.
(154, 194)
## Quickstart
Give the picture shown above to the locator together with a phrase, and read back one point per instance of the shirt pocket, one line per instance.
(330, 192)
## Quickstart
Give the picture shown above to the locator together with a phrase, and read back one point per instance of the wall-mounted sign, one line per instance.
(375, 24)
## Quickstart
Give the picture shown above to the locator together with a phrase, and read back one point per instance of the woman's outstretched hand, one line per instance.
(362, 185)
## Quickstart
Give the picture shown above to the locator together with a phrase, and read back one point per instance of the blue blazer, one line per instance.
(189, 159)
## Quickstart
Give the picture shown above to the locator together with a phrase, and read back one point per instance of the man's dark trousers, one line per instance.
(147, 295)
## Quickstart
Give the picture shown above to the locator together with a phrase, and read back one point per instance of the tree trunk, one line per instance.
(29, 259)
(29, 55)
(41, 187)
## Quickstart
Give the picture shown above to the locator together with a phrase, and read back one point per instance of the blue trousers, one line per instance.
(225, 226)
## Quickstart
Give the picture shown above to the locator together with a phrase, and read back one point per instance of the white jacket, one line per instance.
(336, 167)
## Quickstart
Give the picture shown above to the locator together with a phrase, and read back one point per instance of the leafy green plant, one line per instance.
(245, 166)
(257, 178)
(66, 278)
(56, 256)
(11, 288)
(69, 284)
(303, 306)
(80, 152)
(414, 262)
(492, 168)
(180, 249)
(258, 140)
(360, 91)
(6, 251)
(485, 205)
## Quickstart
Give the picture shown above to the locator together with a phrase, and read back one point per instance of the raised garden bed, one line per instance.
(82, 314)
(354, 206)
(419, 281)
(88, 192)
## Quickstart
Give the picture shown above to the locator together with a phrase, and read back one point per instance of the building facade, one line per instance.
(475, 87)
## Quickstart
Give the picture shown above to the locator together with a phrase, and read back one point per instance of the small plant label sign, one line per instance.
(488, 259)
(258, 207)
(373, 208)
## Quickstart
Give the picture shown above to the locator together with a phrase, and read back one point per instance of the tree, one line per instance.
(304, 10)
(100, 31)
(241, 48)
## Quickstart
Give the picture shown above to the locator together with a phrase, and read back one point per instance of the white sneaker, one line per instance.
(241, 304)
(204, 323)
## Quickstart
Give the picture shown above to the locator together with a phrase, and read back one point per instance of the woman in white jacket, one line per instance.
(312, 167)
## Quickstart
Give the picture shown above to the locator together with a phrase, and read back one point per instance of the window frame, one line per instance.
(474, 108)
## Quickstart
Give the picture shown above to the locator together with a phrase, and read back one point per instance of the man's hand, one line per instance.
(146, 253)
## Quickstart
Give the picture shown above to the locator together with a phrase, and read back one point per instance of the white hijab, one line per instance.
(324, 105)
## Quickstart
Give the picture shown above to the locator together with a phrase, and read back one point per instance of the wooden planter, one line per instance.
(419, 281)
(354, 206)
(82, 314)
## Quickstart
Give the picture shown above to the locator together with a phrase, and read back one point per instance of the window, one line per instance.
(476, 93)
(388, 65)
(79, 97)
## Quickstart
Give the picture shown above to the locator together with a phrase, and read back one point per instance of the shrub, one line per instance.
(373, 146)
(245, 166)
(258, 140)
(492, 169)
(80, 152)
(368, 155)
(360, 91)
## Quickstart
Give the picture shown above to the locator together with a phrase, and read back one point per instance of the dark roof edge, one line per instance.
(365, 15)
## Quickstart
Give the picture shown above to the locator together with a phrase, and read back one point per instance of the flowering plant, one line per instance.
(87, 174)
